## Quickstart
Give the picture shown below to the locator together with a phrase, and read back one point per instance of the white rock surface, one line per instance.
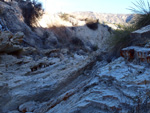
(24, 79)
(116, 87)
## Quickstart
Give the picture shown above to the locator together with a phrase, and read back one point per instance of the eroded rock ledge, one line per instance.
(31, 75)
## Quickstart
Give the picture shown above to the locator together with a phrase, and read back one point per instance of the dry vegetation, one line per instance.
(121, 37)
(92, 24)
(31, 11)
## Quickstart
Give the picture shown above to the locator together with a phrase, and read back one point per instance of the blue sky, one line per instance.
(102, 6)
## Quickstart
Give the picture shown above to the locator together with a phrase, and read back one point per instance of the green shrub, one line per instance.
(142, 9)
(120, 39)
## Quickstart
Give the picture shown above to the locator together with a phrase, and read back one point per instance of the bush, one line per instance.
(64, 16)
(120, 39)
(92, 24)
(31, 10)
(142, 10)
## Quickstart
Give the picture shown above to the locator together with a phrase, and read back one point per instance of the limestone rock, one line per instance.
(141, 36)
(138, 53)
(17, 38)
(115, 87)
(3, 27)
(7, 42)
(142, 33)
(13, 20)
(46, 75)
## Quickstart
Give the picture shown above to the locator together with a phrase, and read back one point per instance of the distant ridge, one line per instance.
(106, 17)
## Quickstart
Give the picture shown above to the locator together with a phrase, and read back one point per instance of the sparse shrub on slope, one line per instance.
(142, 9)
(120, 39)
(31, 10)
(92, 24)
(64, 16)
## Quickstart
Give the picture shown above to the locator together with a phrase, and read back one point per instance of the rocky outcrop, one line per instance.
(142, 33)
(141, 37)
(3, 27)
(55, 30)
(70, 30)
(142, 52)
(117, 86)
(30, 76)
(33, 75)
(11, 16)
(134, 52)
(9, 42)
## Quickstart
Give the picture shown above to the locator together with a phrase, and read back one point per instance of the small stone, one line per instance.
(17, 38)
(28, 107)
(15, 111)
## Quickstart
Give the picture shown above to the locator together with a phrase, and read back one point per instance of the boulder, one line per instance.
(17, 38)
(9, 42)
(141, 35)
(141, 54)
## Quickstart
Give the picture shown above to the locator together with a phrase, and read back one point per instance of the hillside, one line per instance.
(104, 17)
(111, 20)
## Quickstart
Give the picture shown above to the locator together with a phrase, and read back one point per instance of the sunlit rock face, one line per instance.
(66, 27)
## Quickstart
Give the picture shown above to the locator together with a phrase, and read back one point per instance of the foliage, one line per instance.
(142, 9)
(92, 24)
(120, 26)
(64, 16)
(120, 39)
(31, 10)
